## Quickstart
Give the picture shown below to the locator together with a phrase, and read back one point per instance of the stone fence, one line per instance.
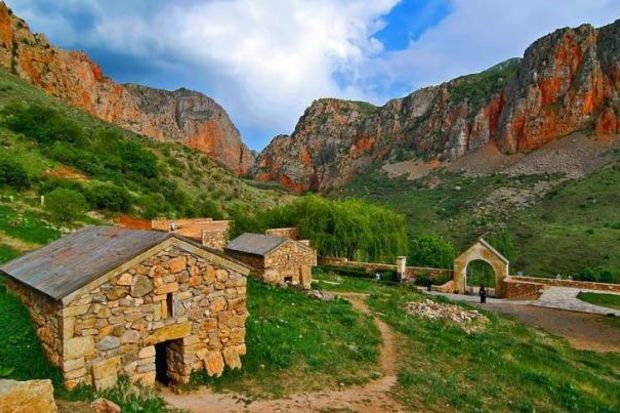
(586, 285)
(410, 273)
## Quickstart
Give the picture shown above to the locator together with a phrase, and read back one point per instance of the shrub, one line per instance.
(65, 205)
(431, 251)
(111, 197)
(208, 208)
(13, 174)
(598, 274)
(45, 125)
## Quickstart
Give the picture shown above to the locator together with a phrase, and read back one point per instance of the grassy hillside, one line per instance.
(53, 146)
(575, 226)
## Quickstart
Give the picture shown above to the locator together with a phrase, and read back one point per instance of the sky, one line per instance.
(265, 61)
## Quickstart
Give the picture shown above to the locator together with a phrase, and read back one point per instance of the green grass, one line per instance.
(506, 368)
(604, 300)
(7, 253)
(26, 226)
(296, 342)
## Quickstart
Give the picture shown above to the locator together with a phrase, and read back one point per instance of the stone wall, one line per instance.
(211, 233)
(291, 260)
(586, 285)
(289, 232)
(411, 273)
(196, 306)
(45, 314)
(522, 290)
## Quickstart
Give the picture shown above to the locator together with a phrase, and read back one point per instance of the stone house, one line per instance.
(276, 260)
(152, 305)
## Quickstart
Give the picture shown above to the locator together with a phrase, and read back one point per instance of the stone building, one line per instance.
(154, 306)
(211, 233)
(276, 260)
(207, 231)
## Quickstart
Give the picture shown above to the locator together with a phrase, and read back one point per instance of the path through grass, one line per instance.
(297, 343)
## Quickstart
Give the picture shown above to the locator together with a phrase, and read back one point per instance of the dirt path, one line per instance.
(583, 331)
(373, 397)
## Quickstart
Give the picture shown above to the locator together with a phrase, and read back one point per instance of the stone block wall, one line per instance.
(211, 233)
(522, 290)
(45, 314)
(293, 260)
(586, 285)
(197, 307)
(290, 233)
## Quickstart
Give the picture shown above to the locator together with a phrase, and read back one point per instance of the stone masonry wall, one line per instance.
(411, 273)
(46, 316)
(587, 285)
(113, 329)
(290, 260)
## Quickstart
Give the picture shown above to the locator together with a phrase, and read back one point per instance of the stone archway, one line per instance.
(481, 250)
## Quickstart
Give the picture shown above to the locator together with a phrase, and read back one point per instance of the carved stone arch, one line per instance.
(481, 250)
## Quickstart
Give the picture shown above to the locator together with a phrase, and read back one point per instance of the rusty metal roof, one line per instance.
(64, 266)
(256, 244)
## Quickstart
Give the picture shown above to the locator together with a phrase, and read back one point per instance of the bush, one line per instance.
(13, 174)
(65, 205)
(598, 274)
(431, 251)
(45, 125)
(111, 197)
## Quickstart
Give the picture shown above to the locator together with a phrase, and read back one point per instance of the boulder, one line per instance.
(34, 396)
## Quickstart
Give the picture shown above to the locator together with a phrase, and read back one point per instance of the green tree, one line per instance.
(13, 174)
(111, 197)
(431, 251)
(502, 242)
(65, 205)
(350, 228)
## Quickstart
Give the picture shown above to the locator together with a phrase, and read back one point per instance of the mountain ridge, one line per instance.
(566, 81)
(186, 117)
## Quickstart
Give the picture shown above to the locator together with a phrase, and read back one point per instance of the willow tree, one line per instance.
(350, 228)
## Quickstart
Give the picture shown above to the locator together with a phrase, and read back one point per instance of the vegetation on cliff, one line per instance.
(50, 148)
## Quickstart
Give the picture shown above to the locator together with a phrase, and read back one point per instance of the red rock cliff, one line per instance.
(566, 82)
(181, 116)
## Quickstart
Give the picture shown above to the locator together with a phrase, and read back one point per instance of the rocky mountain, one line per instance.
(567, 81)
(183, 116)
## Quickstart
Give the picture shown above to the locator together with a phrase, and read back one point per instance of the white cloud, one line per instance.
(266, 60)
(480, 33)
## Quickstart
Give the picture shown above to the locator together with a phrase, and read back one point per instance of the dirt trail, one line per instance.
(373, 397)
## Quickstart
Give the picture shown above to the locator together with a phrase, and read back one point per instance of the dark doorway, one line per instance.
(161, 363)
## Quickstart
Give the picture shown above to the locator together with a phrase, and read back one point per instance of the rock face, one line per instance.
(180, 116)
(566, 82)
(34, 396)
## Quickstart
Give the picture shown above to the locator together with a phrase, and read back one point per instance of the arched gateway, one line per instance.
(481, 250)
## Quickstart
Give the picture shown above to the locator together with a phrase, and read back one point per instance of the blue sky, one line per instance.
(265, 61)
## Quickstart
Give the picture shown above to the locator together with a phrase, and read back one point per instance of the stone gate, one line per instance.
(481, 250)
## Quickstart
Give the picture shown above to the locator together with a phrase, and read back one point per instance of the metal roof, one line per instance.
(256, 244)
(72, 262)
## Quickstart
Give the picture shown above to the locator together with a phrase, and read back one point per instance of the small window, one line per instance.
(288, 279)
(170, 304)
